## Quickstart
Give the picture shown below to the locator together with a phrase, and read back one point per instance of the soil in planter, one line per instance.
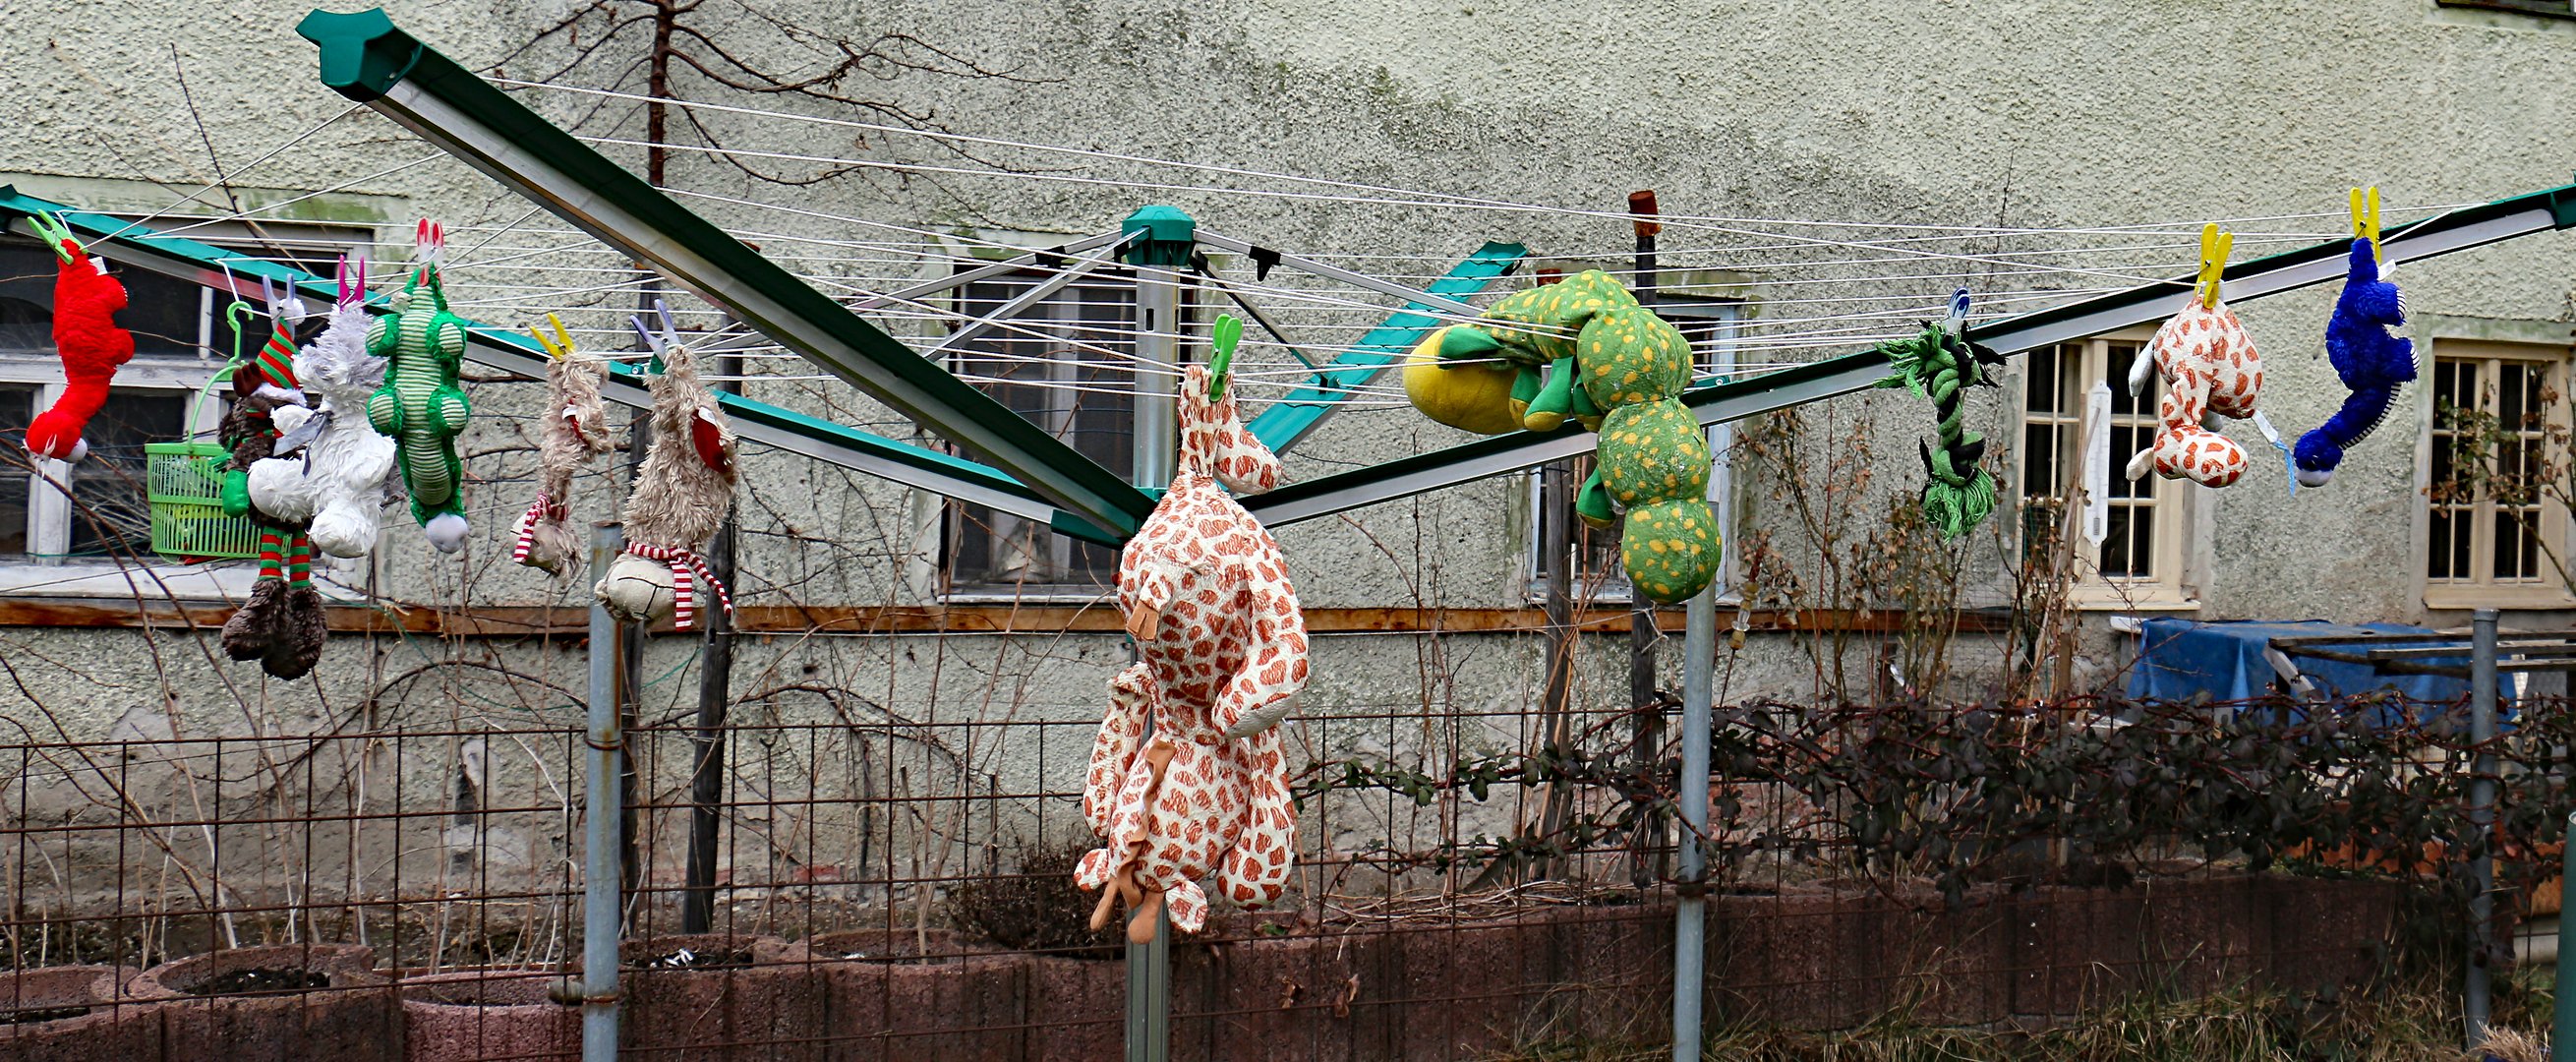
(695, 959)
(260, 979)
(1038, 909)
(37, 1014)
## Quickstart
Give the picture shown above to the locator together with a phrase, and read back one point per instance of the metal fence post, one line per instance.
(601, 880)
(2562, 1025)
(2482, 794)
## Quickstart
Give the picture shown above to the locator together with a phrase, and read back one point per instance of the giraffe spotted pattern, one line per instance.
(1188, 775)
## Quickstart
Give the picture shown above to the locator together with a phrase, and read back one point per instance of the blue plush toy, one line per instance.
(2372, 360)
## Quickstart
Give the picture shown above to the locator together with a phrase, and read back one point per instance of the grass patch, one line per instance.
(2415, 1020)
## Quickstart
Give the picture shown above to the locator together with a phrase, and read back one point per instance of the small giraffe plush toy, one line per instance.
(420, 406)
(574, 430)
(682, 493)
(2209, 366)
(1188, 774)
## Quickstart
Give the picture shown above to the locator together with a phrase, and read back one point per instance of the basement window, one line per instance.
(2542, 8)
(1063, 364)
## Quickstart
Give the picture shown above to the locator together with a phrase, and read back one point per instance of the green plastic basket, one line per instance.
(185, 484)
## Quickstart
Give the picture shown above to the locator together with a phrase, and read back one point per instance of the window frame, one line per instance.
(1712, 323)
(2556, 527)
(2179, 523)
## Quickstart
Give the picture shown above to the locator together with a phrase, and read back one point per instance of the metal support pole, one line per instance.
(2562, 1026)
(601, 880)
(1164, 245)
(1690, 925)
(1647, 741)
(715, 699)
(1163, 249)
(1556, 556)
(2482, 794)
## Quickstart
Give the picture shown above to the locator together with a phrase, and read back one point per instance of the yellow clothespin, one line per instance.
(558, 348)
(2365, 217)
(2214, 248)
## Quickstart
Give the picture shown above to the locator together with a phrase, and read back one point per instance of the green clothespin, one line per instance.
(1222, 337)
(50, 228)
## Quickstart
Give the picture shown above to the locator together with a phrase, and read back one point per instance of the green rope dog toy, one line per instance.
(1941, 364)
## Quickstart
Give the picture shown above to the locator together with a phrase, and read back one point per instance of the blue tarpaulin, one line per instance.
(2179, 658)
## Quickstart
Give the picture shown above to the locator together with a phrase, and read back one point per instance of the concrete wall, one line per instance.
(2058, 114)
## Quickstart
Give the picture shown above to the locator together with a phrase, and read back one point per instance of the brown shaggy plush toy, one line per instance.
(681, 494)
(575, 431)
(281, 624)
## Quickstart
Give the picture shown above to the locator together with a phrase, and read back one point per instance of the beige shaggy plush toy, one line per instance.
(681, 493)
(574, 431)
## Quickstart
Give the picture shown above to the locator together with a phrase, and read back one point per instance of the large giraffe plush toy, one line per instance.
(574, 430)
(1187, 775)
(2209, 366)
(420, 406)
(681, 495)
(331, 464)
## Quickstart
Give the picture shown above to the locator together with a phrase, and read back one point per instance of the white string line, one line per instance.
(1245, 172)
(906, 167)
(235, 175)
(284, 203)
(1186, 278)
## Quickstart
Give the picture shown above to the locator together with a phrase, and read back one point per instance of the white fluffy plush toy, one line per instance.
(574, 431)
(682, 493)
(331, 465)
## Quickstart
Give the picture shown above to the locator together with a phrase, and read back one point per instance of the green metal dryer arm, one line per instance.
(366, 58)
(2476, 226)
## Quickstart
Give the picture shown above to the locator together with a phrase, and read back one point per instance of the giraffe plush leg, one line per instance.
(1255, 870)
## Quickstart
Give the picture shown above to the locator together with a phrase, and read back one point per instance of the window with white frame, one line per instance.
(181, 339)
(1063, 363)
(2141, 560)
(1597, 575)
(2496, 490)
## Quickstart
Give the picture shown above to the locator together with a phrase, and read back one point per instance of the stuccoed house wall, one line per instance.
(2054, 115)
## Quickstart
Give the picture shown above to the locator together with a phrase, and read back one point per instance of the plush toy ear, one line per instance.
(708, 437)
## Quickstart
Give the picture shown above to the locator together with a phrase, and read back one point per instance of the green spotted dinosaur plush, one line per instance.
(1612, 366)
(420, 406)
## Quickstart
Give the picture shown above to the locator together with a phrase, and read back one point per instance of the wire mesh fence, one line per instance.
(896, 882)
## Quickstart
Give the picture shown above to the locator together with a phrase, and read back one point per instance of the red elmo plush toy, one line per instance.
(92, 346)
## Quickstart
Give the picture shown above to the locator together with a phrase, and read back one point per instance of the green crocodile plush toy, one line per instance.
(420, 406)
(1614, 367)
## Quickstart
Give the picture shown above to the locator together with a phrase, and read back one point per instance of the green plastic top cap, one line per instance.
(362, 53)
(1170, 236)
